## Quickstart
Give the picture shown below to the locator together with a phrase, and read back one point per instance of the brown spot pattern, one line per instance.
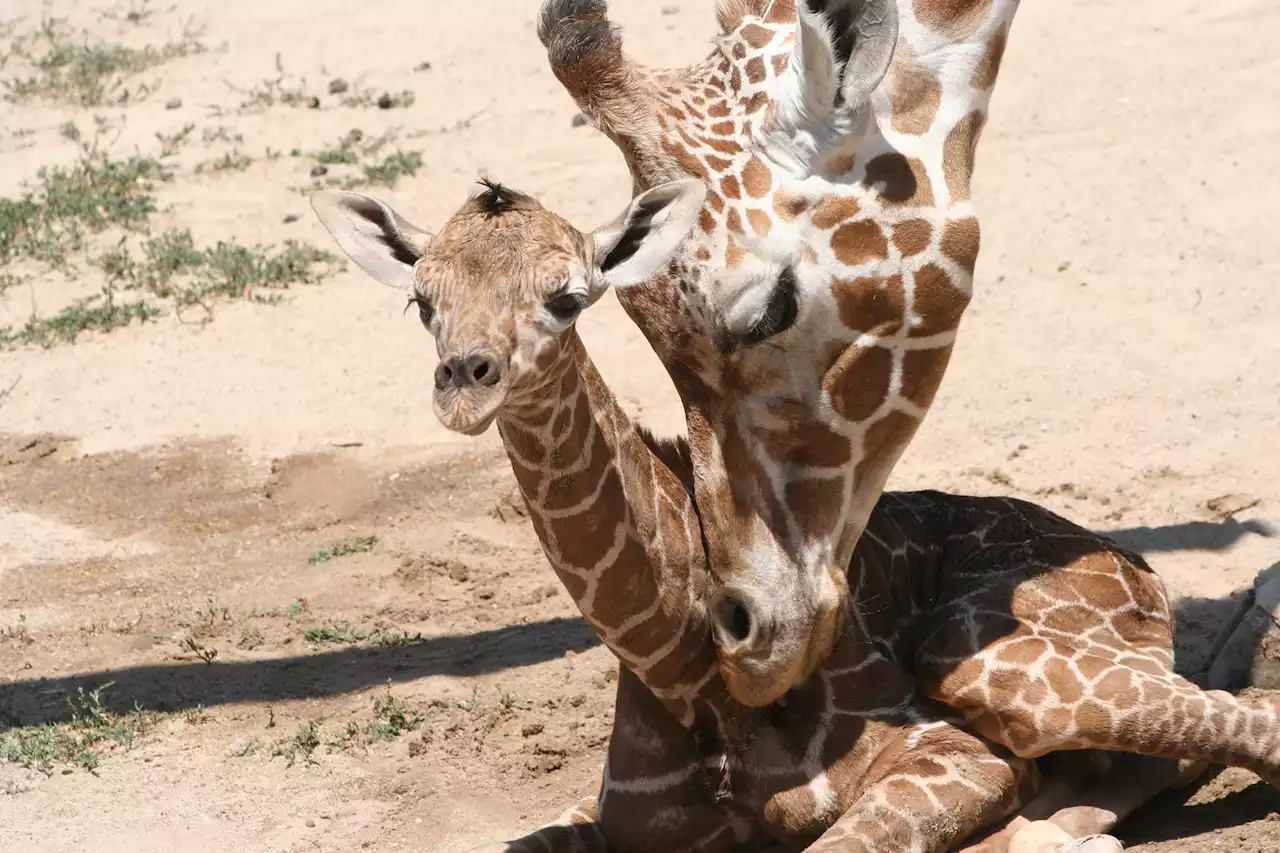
(912, 237)
(734, 254)
(859, 382)
(870, 305)
(915, 97)
(730, 188)
(755, 69)
(859, 242)
(984, 75)
(789, 205)
(922, 372)
(760, 222)
(756, 178)
(904, 179)
(960, 241)
(734, 221)
(833, 210)
(958, 20)
(780, 63)
(884, 443)
(756, 35)
(937, 304)
(958, 155)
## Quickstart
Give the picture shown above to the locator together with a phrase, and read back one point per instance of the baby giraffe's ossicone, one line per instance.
(503, 282)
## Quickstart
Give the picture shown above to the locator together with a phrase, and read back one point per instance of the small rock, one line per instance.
(1064, 266)
(1225, 506)
(385, 102)
(422, 66)
(577, 701)
(578, 121)
(311, 823)
(337, 86)
(532, 729)
(671, 10)
(458, 571)
(355, 134)
(173, 104)
(319, 171)
(313, 103)
(292, 217)
(67, 771)
(484, 594)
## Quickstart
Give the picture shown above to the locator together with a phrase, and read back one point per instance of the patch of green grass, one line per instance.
(348, 546)
(66, 67)
(92, 732)
(303, 744)
(337, 634)
(232, 161)
(369, 169)
(55, 218)
(18, 632)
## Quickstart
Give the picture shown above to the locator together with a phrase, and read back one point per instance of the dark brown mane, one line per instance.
(496, 199)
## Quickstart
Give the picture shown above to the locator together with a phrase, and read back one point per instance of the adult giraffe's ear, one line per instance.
(842, 53)
(378, 239)
(638, 244)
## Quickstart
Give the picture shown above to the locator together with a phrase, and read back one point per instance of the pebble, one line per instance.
(422, 66)
(337, 86)
(311, 823)
(173, 103)
(319, 171)
(578, 121)
(292, 217)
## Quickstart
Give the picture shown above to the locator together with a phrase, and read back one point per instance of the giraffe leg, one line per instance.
(578, 830)
(945, 786)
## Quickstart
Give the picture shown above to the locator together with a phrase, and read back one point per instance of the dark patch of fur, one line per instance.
(671, 452)
(496, 199)
(635, 232)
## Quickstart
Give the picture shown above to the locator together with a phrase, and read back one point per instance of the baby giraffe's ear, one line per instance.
(638, 244)
(373, 235)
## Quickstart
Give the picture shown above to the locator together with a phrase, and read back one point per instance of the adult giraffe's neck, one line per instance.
(617, 525)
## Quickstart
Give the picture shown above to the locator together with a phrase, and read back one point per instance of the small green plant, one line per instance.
(271, 91)
(353, 151)
(472, 705)
(18, 632)
(232, 161)
(302, 745)
(348, 546)
(68, 68)
(251, 639)
(298, 608)
(92, 731)
(201, 651)
(196, 716)
(334, 634)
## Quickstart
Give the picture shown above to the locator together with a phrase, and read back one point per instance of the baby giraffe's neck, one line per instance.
(617, 525)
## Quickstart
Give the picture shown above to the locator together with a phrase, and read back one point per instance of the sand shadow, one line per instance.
(1189, 536)
(175, 687)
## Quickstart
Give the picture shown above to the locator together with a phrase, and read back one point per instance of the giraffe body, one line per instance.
(874, 751)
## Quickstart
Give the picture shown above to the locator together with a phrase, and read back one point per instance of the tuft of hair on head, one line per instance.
(495, 199)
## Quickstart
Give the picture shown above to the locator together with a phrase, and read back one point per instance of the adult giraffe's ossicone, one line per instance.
(809, 319)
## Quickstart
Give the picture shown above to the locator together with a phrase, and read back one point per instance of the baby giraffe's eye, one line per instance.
(566, 306)
(425, 311)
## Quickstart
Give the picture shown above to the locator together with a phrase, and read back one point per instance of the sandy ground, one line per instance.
(170, 481)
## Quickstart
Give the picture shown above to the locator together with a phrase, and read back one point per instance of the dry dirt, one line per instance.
(171, 482)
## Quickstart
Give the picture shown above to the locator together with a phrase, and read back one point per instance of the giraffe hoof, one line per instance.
(1040, 836)
(1248, 650)
(1094, 844)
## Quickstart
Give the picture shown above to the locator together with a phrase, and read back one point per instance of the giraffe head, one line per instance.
(503, 282)
(808, 320)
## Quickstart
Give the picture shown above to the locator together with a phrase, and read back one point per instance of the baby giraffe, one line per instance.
(854, 759)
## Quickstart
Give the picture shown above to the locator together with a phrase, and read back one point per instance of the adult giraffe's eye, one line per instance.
(425, 311)
(781, 312)
(566, 306)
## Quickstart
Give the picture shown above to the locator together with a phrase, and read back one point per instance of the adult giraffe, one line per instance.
(1048, 637)
(809, 323)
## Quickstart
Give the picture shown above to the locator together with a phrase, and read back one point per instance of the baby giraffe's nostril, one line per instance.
(480, 371)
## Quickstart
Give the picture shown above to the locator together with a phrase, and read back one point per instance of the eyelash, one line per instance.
(425, 311)
(779, 315)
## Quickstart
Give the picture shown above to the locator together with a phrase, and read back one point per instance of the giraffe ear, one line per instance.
(843, 50)
(378, 239)
(641, 242)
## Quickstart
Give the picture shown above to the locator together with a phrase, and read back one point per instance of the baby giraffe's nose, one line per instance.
(478, 369)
